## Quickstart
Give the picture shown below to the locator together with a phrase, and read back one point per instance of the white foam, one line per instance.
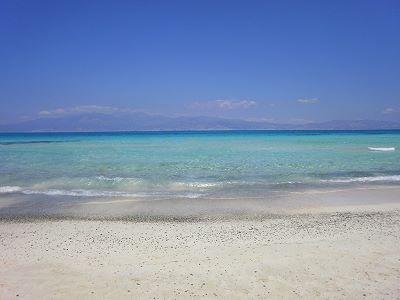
(77, 193)
(117, 179)
(201, 185)
(88, 193)
(192, 185)
(190, 196)
(365, 179)
(382, 149)
(9, 189)
(58, 192)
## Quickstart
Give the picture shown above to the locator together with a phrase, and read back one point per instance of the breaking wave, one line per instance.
(89, 193)
(382, 149)
(365, 179)
(9, 189)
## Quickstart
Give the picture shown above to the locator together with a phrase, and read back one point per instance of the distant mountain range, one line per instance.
(141, 122)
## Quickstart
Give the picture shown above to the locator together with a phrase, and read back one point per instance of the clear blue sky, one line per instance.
(286, 61)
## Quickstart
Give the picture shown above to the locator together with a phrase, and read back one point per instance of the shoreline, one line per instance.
(328, 200)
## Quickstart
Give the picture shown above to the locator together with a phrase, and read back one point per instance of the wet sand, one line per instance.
(325, 252)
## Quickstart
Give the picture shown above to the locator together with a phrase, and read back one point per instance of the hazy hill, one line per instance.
(143, 121)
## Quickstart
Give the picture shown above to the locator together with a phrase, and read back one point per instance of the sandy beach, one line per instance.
(328, 252)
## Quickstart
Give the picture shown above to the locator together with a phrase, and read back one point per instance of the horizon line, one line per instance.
(197, 130)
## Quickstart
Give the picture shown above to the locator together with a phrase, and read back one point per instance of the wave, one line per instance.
(365, 179)
(193, 185)
(118, 179)
(78, 193)
(382, 149)
(184, 189)
(58, 192)
(88, 193)
(173, 186)
(9, 189)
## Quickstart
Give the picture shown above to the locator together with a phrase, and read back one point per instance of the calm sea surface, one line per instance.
(159, 165)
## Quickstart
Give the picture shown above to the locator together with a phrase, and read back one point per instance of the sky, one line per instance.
(280, 61)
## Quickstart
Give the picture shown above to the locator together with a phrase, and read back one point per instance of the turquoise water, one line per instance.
(193, 164)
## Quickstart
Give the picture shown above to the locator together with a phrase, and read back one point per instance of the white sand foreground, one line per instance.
(342, 255)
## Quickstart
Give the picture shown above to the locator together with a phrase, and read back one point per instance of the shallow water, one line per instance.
(179, 165)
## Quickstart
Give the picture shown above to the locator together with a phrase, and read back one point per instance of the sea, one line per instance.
(67, 168)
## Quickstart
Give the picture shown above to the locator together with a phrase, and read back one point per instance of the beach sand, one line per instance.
(323, 252)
